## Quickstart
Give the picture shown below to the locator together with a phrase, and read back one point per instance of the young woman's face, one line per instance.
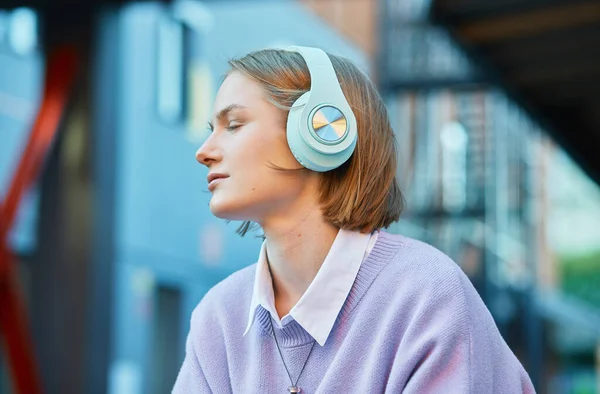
(249, 134)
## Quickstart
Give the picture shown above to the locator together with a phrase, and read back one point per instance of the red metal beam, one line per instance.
(60, 74)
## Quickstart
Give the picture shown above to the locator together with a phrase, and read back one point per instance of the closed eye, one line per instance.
(233, 124)
(233, 127)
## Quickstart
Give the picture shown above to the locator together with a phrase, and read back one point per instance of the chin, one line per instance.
(219, 210)
(228, 210)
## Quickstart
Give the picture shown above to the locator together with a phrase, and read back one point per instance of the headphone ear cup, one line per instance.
(306, 154)
(295, 141)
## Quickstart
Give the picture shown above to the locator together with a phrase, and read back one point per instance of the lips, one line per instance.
(214, 179)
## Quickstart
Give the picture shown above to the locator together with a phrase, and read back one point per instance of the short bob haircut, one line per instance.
(362, 194)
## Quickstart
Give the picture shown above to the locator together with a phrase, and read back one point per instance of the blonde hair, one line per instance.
(362, 194)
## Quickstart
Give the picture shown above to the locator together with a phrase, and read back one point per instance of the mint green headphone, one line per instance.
(321, 127)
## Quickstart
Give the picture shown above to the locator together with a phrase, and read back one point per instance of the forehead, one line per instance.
(237, 89)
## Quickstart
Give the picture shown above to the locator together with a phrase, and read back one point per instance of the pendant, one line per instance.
(294, 389)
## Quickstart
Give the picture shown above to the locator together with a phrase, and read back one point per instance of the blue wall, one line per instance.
(20, 90)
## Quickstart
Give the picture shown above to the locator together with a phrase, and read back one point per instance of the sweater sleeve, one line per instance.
(190, 379)
(452, 345)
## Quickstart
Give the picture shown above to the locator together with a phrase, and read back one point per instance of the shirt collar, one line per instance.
(319, 306)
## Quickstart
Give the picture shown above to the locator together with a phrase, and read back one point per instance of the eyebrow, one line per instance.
(225, 111)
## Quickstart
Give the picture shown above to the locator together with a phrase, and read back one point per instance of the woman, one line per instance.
(301, 145)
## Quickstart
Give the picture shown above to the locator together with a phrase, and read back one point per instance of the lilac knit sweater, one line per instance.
(412, 323)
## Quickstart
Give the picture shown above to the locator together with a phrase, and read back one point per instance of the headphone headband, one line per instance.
(323, 80)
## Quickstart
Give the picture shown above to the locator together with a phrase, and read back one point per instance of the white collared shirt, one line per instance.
(319, 306)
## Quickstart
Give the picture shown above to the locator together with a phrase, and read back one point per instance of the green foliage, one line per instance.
(581, 276)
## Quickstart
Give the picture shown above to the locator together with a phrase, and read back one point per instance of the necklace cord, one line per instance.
(282, 359)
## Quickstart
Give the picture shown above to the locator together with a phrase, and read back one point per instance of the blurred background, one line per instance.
(106, 239)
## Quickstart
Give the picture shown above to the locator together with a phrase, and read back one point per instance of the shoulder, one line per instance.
(223, 301)
(422, 263)
(426, 276)
(429, 287)
(439, 317)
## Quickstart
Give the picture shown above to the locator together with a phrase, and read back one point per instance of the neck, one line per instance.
(296, 250)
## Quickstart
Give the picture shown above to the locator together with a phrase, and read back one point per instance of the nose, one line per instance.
(208, 153)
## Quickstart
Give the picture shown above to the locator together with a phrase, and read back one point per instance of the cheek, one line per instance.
(263, 148)
(249, 158)
(276, 151)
